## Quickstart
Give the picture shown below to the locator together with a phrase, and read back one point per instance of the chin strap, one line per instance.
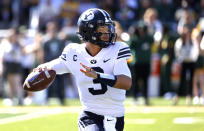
(106, 79)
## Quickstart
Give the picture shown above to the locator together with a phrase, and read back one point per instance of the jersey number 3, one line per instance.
(103, 86)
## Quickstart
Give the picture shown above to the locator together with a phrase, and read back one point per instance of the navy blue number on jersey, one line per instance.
(103, 86)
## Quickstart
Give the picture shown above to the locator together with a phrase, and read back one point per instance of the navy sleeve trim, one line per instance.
(124, 56)
(124, 49)
(63, 57)
(123, 53)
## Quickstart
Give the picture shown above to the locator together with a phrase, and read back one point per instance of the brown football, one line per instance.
(37, 81)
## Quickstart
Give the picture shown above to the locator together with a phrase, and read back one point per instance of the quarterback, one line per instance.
(100, 67)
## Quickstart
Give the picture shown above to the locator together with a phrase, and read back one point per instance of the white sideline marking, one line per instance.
(188, 120)
(29, 116)
(34, 113)
(140, 121)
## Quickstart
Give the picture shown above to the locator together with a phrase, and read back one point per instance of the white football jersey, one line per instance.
(96, 97)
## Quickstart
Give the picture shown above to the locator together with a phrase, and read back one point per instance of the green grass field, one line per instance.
(160, 116)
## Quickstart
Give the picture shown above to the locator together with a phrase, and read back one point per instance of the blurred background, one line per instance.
(165, 37)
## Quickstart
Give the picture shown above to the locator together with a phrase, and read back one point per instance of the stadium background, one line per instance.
(32, 21)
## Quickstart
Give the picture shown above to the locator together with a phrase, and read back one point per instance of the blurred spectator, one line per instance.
(111, 6)
(186, 20)
(52, 48)
(12, 58)
(166, 52)
(143, 6)
(201, 9)
(141, 43)
(1, 73)
(47, 13)
(119, 31)
(6, 15)
(68, 33)
(70, 28)
(186, 51)
(27, 42)
(126, 13)
(166, 10)
(28, 57)
(155, 29)
(56, 4)
(154, 25)
(182, 10)
(85, 5)
(175, 75)
(198, 80)
(25, 9)
(69, 11)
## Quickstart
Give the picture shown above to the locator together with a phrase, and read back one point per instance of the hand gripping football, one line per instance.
(37, 81)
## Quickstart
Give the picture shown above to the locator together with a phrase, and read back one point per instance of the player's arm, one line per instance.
(121, 69)
(57, 64)
(123, 82)
(116, 81)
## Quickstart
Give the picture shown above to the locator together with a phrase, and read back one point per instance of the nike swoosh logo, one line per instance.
(106, 60)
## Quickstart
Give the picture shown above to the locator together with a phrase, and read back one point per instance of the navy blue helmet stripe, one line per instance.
(106, 14)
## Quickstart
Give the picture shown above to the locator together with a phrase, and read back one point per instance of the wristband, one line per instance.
(106, 79)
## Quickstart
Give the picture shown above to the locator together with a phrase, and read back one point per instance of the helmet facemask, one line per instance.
(104, 35)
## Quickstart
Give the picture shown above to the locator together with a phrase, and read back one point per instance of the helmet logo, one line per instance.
(87, 16)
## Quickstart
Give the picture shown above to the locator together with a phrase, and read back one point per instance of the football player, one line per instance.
(100, 67)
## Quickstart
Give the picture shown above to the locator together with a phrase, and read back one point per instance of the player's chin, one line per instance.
(104, 37)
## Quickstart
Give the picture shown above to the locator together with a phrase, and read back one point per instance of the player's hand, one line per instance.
(40, 68)
(88, 71)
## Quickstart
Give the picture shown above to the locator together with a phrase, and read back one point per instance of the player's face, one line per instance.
(104, 30)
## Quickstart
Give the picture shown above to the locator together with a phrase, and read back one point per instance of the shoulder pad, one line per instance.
(68, 50)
